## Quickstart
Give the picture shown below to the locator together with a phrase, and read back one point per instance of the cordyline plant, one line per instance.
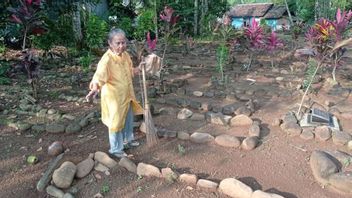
(326, 41)
(273, 43)
(254, 37)
(28, 14)
(167, 15)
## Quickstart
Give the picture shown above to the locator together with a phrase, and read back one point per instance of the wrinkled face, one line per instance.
(118, 44)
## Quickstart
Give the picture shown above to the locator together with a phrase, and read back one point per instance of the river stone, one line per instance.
(291, 128)
(169, 174)
(207, 185)
(22, 126)
(289, 117)
(148, 170)
(183, 135)
(342, 181)
(244, 111)
(217, 118)
(262, 194)
(55, 128)
(340, 137)
(63, 176)
(322, 133)
(73, 128)
(307, 134)
(84, 122)
(322, 166)
(56, 148)
(235, 188)
(55, 192)
(84, 167)
(38, 128)
(241, 120)
(189, 179)
(104, 159)
(184, 114)
(69, 117)
(51, 111)
(250, 143)
(201, 137)
(197, 117)
(128, 164)
(228, 141)
(254, 130)
(198, 93)
(101, 167)
(68, 195)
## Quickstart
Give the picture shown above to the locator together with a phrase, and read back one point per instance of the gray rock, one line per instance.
(38, 128)
(291, 128)
(189, 179)
(63, 176)
(261, 194)
(183, 135)
(51, 111)
(207, 185)
(101, 168)
(244, 111)
(254, 130)
(342, 181)
(206, 106)
(243, 97)
(217, 118)
(197, 117)
(184, 114)
(69, 117)
(209, 94)
(198, 93)
(55, 192)
(68, 195)
(228, 141)
(104, 159)
(235, 188)
(198, 137)
(148, 170)
(25, 107)
(322, 166)
(322, 133)
(250, 143)
(128, 164)
(289, 117)
(341, 138)
(84, 167)
(183, 102)
(230, 109)
(55, 128)
(279, 78)
(307, 134)
(73, 128)
(90, 115)
(23, 126)
(241, 120)
(84, 122)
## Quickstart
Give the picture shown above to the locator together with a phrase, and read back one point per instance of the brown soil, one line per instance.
(280, 164)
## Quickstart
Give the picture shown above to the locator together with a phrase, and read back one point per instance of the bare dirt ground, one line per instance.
(280, 164)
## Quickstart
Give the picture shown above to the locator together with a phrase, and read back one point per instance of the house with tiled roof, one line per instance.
(274, 15)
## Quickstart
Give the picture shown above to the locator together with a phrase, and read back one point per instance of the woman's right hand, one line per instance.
(94, 90)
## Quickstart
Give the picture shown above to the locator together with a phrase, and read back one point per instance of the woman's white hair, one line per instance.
(115, 31)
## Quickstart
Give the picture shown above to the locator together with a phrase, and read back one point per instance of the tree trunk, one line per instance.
(195, 17)
(76, 22)
(289, 13)
(316, 10)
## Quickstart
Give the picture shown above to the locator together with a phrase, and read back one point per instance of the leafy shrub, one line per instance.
(95, 32)
(4, 69)
(85, 61)
(144, 24)
(125, 23)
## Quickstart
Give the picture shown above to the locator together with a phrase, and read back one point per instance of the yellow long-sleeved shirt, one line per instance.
(114, 76)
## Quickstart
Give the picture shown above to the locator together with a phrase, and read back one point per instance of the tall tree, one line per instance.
(195, 31)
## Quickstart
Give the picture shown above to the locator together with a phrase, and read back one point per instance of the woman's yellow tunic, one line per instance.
(114, 76)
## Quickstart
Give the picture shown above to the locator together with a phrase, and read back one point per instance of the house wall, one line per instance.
(239, 22)
(272, 23)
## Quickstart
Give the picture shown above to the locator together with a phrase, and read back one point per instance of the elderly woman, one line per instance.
(113, 78)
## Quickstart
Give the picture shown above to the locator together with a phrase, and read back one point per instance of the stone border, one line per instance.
(289, 124)
(63, 176)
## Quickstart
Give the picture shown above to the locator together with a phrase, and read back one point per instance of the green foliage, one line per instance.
(4, 69)
(95, 32)
(144, 23)
(85, 62)
(265, 26)
(2, 44)
(139, 189)
(305, 9)
(125, 23)
(222, 54)
(309, 74)
(117, 9)
(105, 188)
(181, 149)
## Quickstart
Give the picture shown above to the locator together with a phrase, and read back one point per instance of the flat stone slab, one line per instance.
(241, 120)
(201, 138)
(207, 185)
(228, 141)
(322, 166)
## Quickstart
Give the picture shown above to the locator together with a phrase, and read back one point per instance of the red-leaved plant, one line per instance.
(151, 43)
(273, 43)
(28, 15)
(254, 36)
